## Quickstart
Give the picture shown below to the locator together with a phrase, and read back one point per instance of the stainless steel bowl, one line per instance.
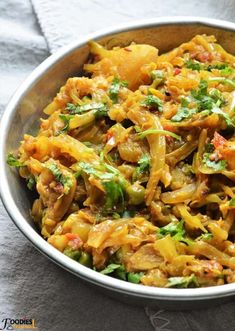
(22, 115)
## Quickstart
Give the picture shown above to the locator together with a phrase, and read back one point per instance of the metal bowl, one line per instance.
(22, 115)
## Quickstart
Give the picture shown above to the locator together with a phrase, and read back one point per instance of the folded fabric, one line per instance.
(65, 21)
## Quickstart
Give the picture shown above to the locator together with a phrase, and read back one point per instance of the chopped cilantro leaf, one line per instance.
(183, 282)
(217, 166)
(97, 170)
(207, 103)
(120, 273)
(31, 182)
(87, 168)
(71, 108)
(176, 230)
(13, 161)
(114, 195)
(66, 119)
(66, 181)
(134, 277)
(194, 65)
(224, 115)
(115, 88)
(101, 112)
(183, 113)
(226, 69)
(110, 268)
(99, 107)
(143, 166)
(113, 182)
(144, 163)
(202, 88)
(118, 270)
(153, 101)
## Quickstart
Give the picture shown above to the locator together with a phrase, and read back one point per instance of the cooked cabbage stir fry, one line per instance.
(134, 167)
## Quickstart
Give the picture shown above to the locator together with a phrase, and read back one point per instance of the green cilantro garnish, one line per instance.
(110, 268)
(112, 180)
(13, 161)
(99, 171)
(217, 166)
(153, 101)
(31, 182)
(183, 282)
(66, 119)
(99, 107)
(194, 65)
(118, 271)
(176, 230)
(66, 181)
(225, 116)
(114, 195)
(72, 108)
(207, 103)
(134, 277)
(183, 113)
(101, 112)
(143, 166)
(115, 88)
(226, 70)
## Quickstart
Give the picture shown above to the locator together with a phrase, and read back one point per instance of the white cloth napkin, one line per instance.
(64, 21)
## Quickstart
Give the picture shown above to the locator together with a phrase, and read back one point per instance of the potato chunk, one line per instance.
(123, 62)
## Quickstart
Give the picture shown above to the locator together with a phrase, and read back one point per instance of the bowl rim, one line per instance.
(134, 290)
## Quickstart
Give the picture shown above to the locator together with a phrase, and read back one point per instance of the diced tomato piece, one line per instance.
(218, 141)
(204, 57)
(74, 240)
(71, 236)
(177, 71)
(169, 127)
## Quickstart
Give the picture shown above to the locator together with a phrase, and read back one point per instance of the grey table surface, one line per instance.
(31, 285)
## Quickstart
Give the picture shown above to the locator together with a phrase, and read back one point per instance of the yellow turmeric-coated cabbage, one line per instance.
(133, 169)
